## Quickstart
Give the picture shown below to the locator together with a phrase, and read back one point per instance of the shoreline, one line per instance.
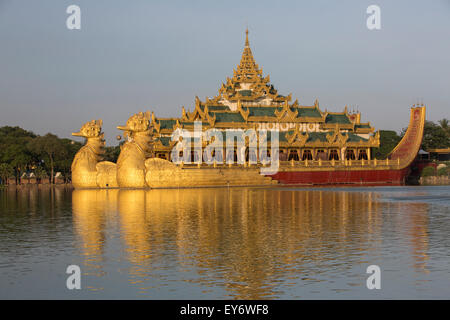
(423, 181)
(39, 186)
(434, 181)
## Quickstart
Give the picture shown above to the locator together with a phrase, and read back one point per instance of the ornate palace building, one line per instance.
(314, 146)
(249, 101)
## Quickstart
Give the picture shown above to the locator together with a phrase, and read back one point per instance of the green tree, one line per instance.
(444, 123)
(13, 150)
(111, 153)
(15, 132)
(388, 141)
(6, 171)
(434, 136)
(40, 173)
(428, 172)
(51, 148)
(64, 163)
(443, 171)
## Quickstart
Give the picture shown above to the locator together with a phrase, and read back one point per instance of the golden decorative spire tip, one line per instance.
(246, 38)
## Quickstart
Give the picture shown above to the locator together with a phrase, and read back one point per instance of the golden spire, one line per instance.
(246, 38)
(248, 83)
(247, 68)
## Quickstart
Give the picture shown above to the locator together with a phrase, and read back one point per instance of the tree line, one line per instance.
(22, 151)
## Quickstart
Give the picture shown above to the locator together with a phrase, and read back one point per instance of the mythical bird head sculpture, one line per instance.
(138, 130)
(91, 129)
(139, 122)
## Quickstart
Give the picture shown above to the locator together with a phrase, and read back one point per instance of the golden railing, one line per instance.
(302, 164)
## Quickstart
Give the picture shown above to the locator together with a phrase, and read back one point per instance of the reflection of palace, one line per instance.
(242, 240)
(415, 230)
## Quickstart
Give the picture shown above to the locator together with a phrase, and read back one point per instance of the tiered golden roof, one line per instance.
(248, 100)
(247, 69)
(248, 83)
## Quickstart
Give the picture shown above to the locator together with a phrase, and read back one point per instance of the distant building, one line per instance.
(423, 155)
(59, 179)
(24, 178)
(32, 178)
(440, 154)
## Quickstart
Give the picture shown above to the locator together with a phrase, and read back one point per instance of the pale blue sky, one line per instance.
(132, 56)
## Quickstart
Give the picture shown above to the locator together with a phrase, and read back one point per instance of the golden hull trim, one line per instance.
(164, 174)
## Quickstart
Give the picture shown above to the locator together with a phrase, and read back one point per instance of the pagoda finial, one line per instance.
(247, 68)
(247, 44)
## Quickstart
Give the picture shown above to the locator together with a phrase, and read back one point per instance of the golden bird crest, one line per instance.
(90, 129)
(138, 122)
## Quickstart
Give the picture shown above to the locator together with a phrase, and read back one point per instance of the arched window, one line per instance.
(307, 155)
(218, 156)
(195, 157)
(282, 155)
(230, 156)
(293, 155)
(333, 155)
(252, 155)
(264, 155)
(208, 156)
(321, 154)
(350, 154)
(362, 155)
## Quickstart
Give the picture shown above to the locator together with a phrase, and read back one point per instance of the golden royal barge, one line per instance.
(314, 147)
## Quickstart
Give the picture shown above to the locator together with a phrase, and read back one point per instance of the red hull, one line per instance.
(403, 154)
(365, 177)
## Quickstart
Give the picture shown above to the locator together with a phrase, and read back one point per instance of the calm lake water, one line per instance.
(237, 243)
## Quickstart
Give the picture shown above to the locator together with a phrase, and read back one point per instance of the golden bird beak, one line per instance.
(123, 128)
